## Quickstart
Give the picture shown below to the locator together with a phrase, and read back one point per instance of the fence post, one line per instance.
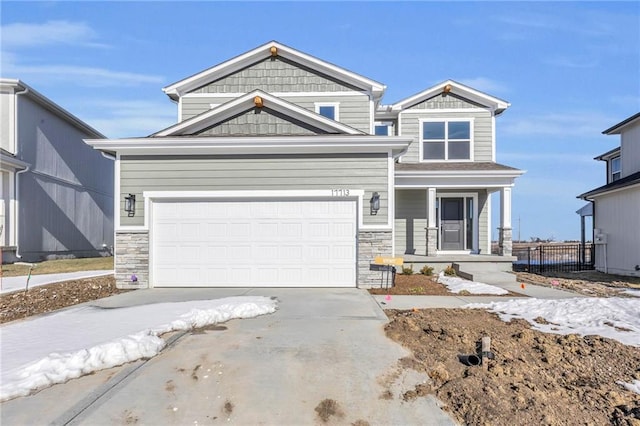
(540, 258)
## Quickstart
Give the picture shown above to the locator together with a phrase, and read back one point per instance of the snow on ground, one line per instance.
(633, 386)
(616, 318)
(456, 285)
(9, 284)
(635, 293)
(54, 348)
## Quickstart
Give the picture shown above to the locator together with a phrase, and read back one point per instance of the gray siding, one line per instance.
(616, 215)
(630, 150)
(484, 237)
(275, 75)
(449, 101)
(66, 198)
(260, 122)
(6, 99)
(482, 134)
(352, 110)
(411, 222)
(234, 173)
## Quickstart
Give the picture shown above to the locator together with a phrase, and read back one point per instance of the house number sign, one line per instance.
(340, 192)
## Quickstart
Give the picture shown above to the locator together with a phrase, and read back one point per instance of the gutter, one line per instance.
(17, 183)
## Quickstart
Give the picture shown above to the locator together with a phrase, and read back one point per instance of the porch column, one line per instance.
(432, 229)
(505, 242)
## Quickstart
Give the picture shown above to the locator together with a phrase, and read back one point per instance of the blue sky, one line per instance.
(570, 70)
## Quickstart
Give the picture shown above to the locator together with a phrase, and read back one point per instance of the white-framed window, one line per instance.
(446, 139)
(383, 128)
(328, 109)
(615, 169)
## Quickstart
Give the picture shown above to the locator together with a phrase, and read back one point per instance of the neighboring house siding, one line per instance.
(66, 201)
(630, 151)
(353, 110)
(275, 75)
(262, 123)
(6, 121)
(618, 216)
(410, 222)
(482, 133)
(237, 173)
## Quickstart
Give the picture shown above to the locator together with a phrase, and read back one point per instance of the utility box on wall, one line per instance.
(600, 238)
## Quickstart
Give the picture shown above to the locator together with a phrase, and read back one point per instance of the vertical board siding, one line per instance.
(66, 197)
(411, 222)
(352, 110)
(482, 134)
(630, 151)
(6, 121)
(275, 75)
(242, 173)
(616, 215)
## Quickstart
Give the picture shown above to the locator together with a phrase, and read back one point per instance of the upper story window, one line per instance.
(329, 110)
(615, 169)
(446, 140)
(382, 130)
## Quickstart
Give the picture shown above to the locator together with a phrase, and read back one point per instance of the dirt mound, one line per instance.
(535, 378)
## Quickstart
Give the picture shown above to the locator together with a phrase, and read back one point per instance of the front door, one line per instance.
(452, 223)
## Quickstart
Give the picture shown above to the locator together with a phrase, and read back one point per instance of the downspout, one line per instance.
(15, 134)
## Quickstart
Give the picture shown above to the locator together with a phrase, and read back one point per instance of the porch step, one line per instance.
(485, 272)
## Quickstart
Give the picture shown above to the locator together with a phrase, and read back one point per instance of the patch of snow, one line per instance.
(632, 292)
(55, 348)
(633, 386)
(456, 285)
(11, 284)
(616, 318)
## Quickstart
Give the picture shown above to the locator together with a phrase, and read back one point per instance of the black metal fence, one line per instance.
(555, 258)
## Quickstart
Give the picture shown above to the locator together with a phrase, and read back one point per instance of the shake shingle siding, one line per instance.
(261, 122)
(238, 173)
(275, 75)
(353, 110)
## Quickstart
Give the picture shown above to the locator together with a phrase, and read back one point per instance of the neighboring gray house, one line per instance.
(56, 193)
(286, 170)
(616, 205)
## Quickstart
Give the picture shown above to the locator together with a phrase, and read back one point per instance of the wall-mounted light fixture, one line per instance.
(130, 204)
(375, 203)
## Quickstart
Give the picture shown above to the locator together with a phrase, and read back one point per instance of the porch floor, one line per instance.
(457, 258)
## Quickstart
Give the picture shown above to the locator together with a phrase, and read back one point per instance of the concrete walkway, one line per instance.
(426, 302)
(9, 284)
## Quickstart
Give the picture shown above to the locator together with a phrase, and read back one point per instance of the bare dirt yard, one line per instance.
(417, 285)
(535, 378)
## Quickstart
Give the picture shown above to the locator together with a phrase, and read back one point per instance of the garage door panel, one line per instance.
(254, 243)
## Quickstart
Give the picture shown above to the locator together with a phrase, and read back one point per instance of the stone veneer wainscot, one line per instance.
(132, 258)
(370, 245)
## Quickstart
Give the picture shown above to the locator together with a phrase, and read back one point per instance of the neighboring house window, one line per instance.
(446, 140)
(615, 169)
(329, 110)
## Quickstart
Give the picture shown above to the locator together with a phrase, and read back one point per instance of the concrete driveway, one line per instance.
(323, 354)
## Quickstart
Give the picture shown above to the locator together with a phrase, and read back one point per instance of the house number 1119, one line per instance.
(340, 192)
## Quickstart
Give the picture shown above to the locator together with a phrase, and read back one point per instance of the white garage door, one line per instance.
(254, 243)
